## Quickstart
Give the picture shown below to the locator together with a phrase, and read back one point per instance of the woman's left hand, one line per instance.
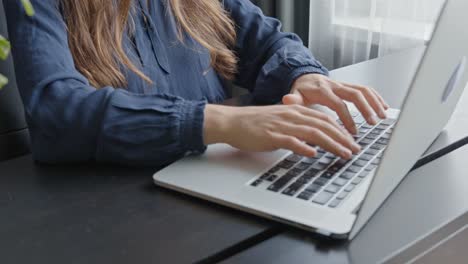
(313, 89)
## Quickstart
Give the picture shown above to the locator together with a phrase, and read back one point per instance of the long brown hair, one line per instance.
(96, 29)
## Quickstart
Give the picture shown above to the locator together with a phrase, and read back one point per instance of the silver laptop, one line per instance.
(326, 194)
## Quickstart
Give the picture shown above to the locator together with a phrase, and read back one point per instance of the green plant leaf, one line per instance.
(28, 7)
(4, 48)
(3, 81)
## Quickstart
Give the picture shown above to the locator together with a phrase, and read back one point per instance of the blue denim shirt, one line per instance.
(142, 124)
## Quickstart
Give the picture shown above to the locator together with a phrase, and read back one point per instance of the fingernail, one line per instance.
(383, 115)
(356, 147)
(346, 153)
(373, 120)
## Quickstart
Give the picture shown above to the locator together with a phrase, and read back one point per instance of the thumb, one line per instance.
(292, 99)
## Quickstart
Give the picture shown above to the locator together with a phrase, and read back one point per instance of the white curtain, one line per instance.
(344, 32)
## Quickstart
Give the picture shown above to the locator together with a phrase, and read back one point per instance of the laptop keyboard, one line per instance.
(326, 179)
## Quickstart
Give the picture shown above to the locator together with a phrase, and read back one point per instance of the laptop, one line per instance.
(325, 194)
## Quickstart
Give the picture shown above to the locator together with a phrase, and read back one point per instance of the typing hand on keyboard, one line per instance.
(326, 179)
(313, 89)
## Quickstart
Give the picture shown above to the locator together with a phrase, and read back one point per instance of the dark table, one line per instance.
(108, 214)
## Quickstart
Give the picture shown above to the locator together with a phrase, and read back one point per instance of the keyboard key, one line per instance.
(294, 158)
(366, 141)
(326, 160)
(350, 188)
(359, 120)
(378, 146)
(281, 182)
(347, 175)
(304, 179)
(371, 167)
(334, 203)
(320, 153)
(378, 130)
(292, 189)
(310, 160)
(311, 173)
(272, 178)
(295, 172)
(314, 188)
(376, 161)
(360, 163)
(302, 166)
(274, 169)
(366, 126)
(354, 169)
(323, 198)
(332, 188)
(342, 162)
(265, 176)
(366, 157)
(285, 164)
(371, 137)
(383, 125)
(328, 175)
(383, 141)
(387, 136)
(356, 181)
(340, 182)
(305, 195)
(372, 152)
(342, 195)
(363, 174)
(363, 144)
(321, 181)
(335, 168)
(319, 166)
(389, 121)
(256, 182)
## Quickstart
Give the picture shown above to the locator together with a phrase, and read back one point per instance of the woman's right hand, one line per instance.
(268, 128)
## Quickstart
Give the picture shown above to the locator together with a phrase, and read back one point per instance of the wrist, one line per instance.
(216, 124)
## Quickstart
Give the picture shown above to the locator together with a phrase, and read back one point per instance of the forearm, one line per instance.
(216, 123)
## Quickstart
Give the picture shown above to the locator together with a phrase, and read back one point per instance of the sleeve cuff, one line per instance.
(192, 115)
(295, 74)
(275, 84)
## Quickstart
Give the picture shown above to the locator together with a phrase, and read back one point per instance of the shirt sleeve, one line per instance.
(71, 121)
(270, 60)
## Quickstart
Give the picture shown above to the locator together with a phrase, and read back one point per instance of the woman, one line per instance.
(137, 81)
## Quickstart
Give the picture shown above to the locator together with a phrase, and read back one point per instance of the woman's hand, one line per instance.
(313, 89)
(269, 128)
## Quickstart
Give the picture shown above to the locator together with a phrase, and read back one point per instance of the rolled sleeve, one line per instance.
(270, 60)
(71, 121)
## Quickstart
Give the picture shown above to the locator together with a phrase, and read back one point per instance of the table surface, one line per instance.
(107, 214)
(98, 214)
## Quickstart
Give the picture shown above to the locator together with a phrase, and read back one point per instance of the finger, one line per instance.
(317, 137)
(337, 134)
(332, 101)
(374, 101)
(311, 113)
(355, 96)
(294, 144)
(382, 101)
(293, 99)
